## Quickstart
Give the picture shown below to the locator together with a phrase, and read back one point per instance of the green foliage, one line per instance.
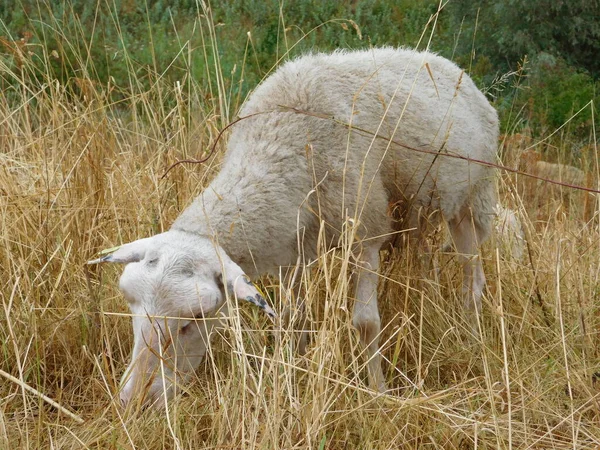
(125, 46)
(506, 30)
(557, 92)
(101, 40)
(290, 28)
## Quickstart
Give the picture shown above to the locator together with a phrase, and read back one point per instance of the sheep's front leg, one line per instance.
(295, 316)
(365, 317)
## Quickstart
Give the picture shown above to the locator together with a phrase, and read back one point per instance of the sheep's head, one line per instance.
(175, 285)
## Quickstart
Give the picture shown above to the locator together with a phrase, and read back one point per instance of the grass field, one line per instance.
(80, 173)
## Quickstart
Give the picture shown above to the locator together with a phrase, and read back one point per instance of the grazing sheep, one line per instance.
(544, 199)
(531, 162)
(560, 172)
(326, 138)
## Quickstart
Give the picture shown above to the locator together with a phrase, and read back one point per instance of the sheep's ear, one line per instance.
(132, 252)
(240, 285)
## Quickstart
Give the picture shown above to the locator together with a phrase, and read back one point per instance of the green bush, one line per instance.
(553, 95)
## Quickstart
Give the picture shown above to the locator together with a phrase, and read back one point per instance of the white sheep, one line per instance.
(326, 138)
(531, 163)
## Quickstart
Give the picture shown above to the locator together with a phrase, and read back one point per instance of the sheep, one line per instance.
(531, 162)
(327, 138)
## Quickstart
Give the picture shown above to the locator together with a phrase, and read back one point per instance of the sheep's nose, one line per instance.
(125, 397)
(151, 397)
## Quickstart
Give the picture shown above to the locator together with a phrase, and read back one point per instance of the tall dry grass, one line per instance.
(79, 174)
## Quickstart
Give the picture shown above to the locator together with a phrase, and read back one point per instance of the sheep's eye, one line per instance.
(153, 262)
(187, 273)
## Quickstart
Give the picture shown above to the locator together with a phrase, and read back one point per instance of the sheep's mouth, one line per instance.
(194, 322)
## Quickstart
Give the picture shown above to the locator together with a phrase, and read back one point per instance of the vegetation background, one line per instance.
(98, 98)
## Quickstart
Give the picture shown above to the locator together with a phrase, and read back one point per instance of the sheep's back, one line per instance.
(401, 106)
(378, 126)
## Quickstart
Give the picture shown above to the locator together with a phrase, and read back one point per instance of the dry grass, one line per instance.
(78, 175)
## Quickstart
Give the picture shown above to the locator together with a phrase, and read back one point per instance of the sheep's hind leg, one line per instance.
(365, 317)
(467, 239)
